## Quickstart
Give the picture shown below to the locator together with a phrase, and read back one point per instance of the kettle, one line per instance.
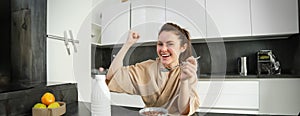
(242, 66)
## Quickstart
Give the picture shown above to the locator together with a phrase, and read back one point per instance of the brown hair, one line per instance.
(184, 37)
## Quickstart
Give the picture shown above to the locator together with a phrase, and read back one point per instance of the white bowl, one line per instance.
(153, 111)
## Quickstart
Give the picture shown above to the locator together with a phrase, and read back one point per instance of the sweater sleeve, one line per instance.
(194, 98)
(194, 102)
(126, 79)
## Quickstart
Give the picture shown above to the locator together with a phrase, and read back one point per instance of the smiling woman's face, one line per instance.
(168, 48)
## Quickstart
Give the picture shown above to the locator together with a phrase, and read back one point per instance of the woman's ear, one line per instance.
(183, 48)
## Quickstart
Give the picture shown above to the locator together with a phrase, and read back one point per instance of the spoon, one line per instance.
(168, 69)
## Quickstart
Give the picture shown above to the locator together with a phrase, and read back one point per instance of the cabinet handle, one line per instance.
(66, 40)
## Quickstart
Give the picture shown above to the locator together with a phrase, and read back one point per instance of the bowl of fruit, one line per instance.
(48, 106)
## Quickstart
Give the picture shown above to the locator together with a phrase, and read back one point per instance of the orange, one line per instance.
(48, 98)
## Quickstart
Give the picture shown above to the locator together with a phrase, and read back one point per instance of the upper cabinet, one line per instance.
(147, 17)
(115, 21)
(202, 18)
(143, 16)
(228, 18)
(188, 14)
(274, 17)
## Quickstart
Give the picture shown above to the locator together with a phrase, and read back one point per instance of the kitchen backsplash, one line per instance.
(286, 50)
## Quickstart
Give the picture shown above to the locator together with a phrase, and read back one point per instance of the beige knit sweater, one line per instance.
(157, 88)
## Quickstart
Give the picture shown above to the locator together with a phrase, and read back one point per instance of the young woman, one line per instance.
(169, 81)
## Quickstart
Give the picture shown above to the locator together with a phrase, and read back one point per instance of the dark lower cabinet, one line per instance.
(20, 103)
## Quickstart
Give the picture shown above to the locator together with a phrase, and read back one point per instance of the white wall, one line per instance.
(72, 15)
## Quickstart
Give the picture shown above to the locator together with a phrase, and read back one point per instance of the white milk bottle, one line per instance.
(100, 102)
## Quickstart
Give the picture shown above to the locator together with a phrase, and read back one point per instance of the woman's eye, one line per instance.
(170, 44)
(159, 44)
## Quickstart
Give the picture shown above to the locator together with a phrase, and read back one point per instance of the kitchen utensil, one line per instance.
(242, 66)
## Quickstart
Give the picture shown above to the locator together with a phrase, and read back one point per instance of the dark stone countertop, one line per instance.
(84, 109)
(251, 76)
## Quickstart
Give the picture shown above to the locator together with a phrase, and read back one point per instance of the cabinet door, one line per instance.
(115, 22)
(229, 94)
(274, 17)
(228, 18)
(147, 18)
(63, 15)
(188, 14)
(280, 96)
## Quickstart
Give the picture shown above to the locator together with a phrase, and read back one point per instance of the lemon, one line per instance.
(40, 105)
(54, 105)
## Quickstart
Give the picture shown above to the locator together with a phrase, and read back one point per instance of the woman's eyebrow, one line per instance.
(170, 41)
(165, 42)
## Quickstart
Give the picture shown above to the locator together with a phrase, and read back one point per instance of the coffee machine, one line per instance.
(267, 63)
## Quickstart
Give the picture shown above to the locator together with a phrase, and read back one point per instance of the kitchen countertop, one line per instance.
(83, 109)
(248, 77)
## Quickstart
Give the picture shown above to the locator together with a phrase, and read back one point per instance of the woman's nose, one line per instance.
(164, 48)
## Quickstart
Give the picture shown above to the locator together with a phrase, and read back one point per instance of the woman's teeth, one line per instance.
(165, 55)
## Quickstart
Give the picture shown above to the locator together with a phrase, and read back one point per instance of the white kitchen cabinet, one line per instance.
(64, 15)
(189, 14)
(215, 96)
(274, 17)
(228, 18)
(147, 17)
(115, 22)
(229, 95)
(280, 96)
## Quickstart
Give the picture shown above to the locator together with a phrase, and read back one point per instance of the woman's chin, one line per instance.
(164, 62)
